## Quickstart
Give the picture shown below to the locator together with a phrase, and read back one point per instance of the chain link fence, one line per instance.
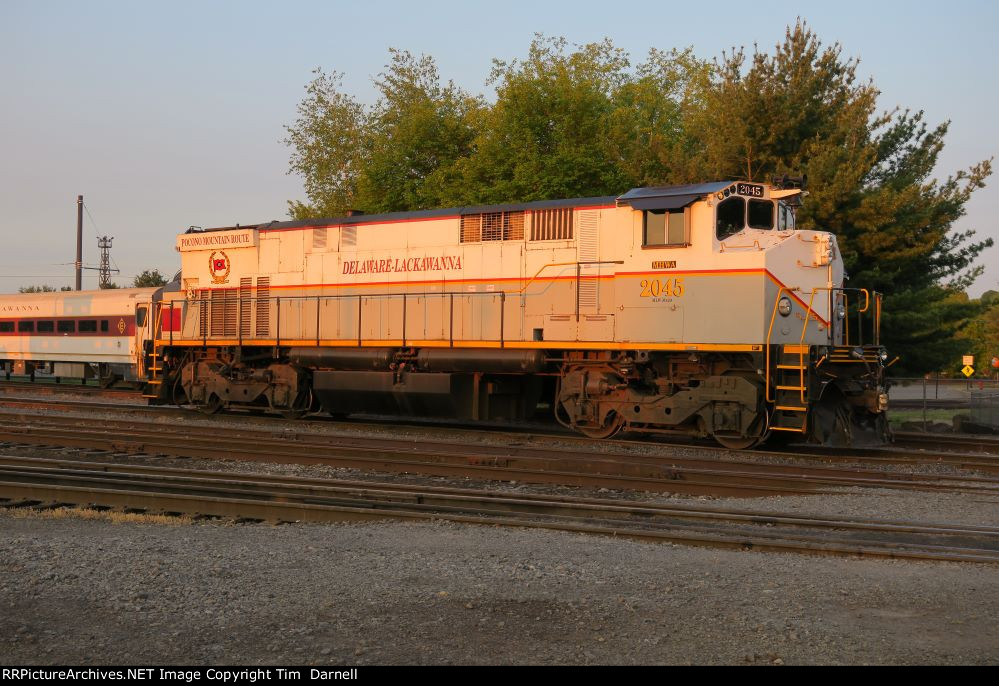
(933, 403)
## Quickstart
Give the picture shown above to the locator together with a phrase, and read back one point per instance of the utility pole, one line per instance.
(79, 242)
(104, 243)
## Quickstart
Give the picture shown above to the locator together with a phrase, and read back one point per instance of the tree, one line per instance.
(980, 336)
(582, 122)
(149, 279)
(327, 142)
(870, 177)
(415, 134)
(397, 155)
(565, 123)
(579, 123)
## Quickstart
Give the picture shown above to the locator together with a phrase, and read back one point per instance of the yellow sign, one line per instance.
(968, 360)
(968, 370)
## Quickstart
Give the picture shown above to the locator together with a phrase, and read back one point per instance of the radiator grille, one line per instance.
(492, 226)
(552, 225)
(245, 309)
(319, 238)
(263, 306)
(223, 313)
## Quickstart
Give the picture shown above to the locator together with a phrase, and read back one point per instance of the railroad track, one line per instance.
(932, 445)
(51, 483)
(977, 453)
(729, 477)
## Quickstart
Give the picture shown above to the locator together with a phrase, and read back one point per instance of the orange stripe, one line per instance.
(520, 345)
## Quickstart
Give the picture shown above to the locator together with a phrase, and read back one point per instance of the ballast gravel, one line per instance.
(82, 591)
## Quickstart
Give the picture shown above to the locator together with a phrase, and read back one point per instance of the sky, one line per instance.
(168, 115)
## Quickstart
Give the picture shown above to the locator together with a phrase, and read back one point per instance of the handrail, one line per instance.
(577, 265)
(756, 244)
(773, 318)
(204, 323)
(538, 273)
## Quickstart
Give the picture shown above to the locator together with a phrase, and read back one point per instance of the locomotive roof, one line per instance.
(657, 197)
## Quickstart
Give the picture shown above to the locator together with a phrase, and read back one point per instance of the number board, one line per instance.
(750, 189)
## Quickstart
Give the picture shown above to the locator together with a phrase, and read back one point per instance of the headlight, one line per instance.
(784, 307)
(840, 312)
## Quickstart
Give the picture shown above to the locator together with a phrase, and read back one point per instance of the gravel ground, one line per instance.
(86, 591)
(91, 591)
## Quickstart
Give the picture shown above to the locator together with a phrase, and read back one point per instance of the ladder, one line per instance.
(154, 372)
(791, 389)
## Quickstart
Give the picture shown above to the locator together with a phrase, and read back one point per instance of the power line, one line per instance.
(92, 222)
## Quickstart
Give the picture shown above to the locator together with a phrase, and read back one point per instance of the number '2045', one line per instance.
(655, 288)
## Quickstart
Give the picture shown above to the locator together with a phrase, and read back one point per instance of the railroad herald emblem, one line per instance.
(219, 266)
(121, 327)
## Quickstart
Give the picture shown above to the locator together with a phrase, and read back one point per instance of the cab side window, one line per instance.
(730, 217)
(665, 228)
(785, 218)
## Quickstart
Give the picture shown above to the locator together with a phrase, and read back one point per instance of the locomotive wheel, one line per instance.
(737, 442)
(303, 405)
(613, 423)
(211, 406)
(745, 442)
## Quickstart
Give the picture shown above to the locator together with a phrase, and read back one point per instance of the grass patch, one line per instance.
(100, 515)
(898, 417)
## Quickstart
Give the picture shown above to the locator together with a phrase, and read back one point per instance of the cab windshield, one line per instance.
(735, 213)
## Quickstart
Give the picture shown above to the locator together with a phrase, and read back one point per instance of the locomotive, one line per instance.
(696, 310)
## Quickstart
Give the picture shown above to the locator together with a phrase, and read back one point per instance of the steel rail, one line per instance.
(976, 462)
(670, 474)
(284, 499)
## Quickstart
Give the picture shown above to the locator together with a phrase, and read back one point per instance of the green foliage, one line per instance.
(327, 144)
(580, 121)
(980, 337)
(415, 134)
(44, 288)
(149, 279)
(564, 124)
(109, 286)
(801, 109)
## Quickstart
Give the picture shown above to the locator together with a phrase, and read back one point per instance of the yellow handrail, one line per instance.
(536, 275)
(773, 318)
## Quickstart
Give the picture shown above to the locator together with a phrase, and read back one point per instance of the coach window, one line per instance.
(88, 326)
(731, 217)
(104, 326)
(6, 327)
(66, 326)
(25, 327)
(761, 214)
(46, 327)
(140, 317)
